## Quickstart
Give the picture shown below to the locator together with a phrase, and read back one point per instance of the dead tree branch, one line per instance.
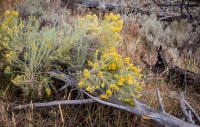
(54, 103)
(190, 107)
(186, 114)
(139, 109)
(159, 6)
(119, 7)
(160, 101)
(176, 74)
(168, 5)
(197, 116)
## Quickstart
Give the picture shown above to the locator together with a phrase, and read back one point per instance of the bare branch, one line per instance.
(144, 111)
(164, 18)
(197, 116)
(159, 6)
(104, 102)
(190, 116)
(160, 101)
(186, 103)
(54, 103)
(182, 101)
(190, 5)
(68, 79)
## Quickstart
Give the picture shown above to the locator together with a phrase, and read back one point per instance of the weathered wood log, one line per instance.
(112, 6)
(175, 73)
(146, 112)
(54, 103)
(158, 117)
(168, 5)
(139, 109)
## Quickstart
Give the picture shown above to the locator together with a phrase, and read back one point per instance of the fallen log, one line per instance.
(168, 5)
(160, 118)
(130, 9)
(176, 74)
(54, 103)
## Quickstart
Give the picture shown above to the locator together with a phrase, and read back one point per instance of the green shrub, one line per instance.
(31, 51)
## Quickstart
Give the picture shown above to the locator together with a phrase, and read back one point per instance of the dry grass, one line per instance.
(8, 4)
(98, 115)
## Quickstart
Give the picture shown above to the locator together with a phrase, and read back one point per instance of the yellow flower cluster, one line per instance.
(48, 91)
(86, 73)
(8, 30)
(18, 79)
(62, 76)
(115, 21)
(107, 31)
(111, 60)
(127, 60)
(80, 83)
(10, 56)
(115, 75)
(14, 13)
(89, 89)
(10, 21)
(107, 94)
(89, 23)
(121, 81)
(111, 26)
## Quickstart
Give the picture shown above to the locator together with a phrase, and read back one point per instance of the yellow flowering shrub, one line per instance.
(9, 29)
(115, 75)
(30, 51)
(107, 31)
(111, 26)
(25, 50)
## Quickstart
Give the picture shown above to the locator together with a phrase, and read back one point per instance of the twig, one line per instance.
(159, 6)
(188, 9)
(61, 114)
(197, 116)
(190, 5)
(164, 18)
(104, 102)
(182, 7)
(186, 103)
(160, 100)
(54, 103)
(190, 116)
(68, 79)
(184, 109)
